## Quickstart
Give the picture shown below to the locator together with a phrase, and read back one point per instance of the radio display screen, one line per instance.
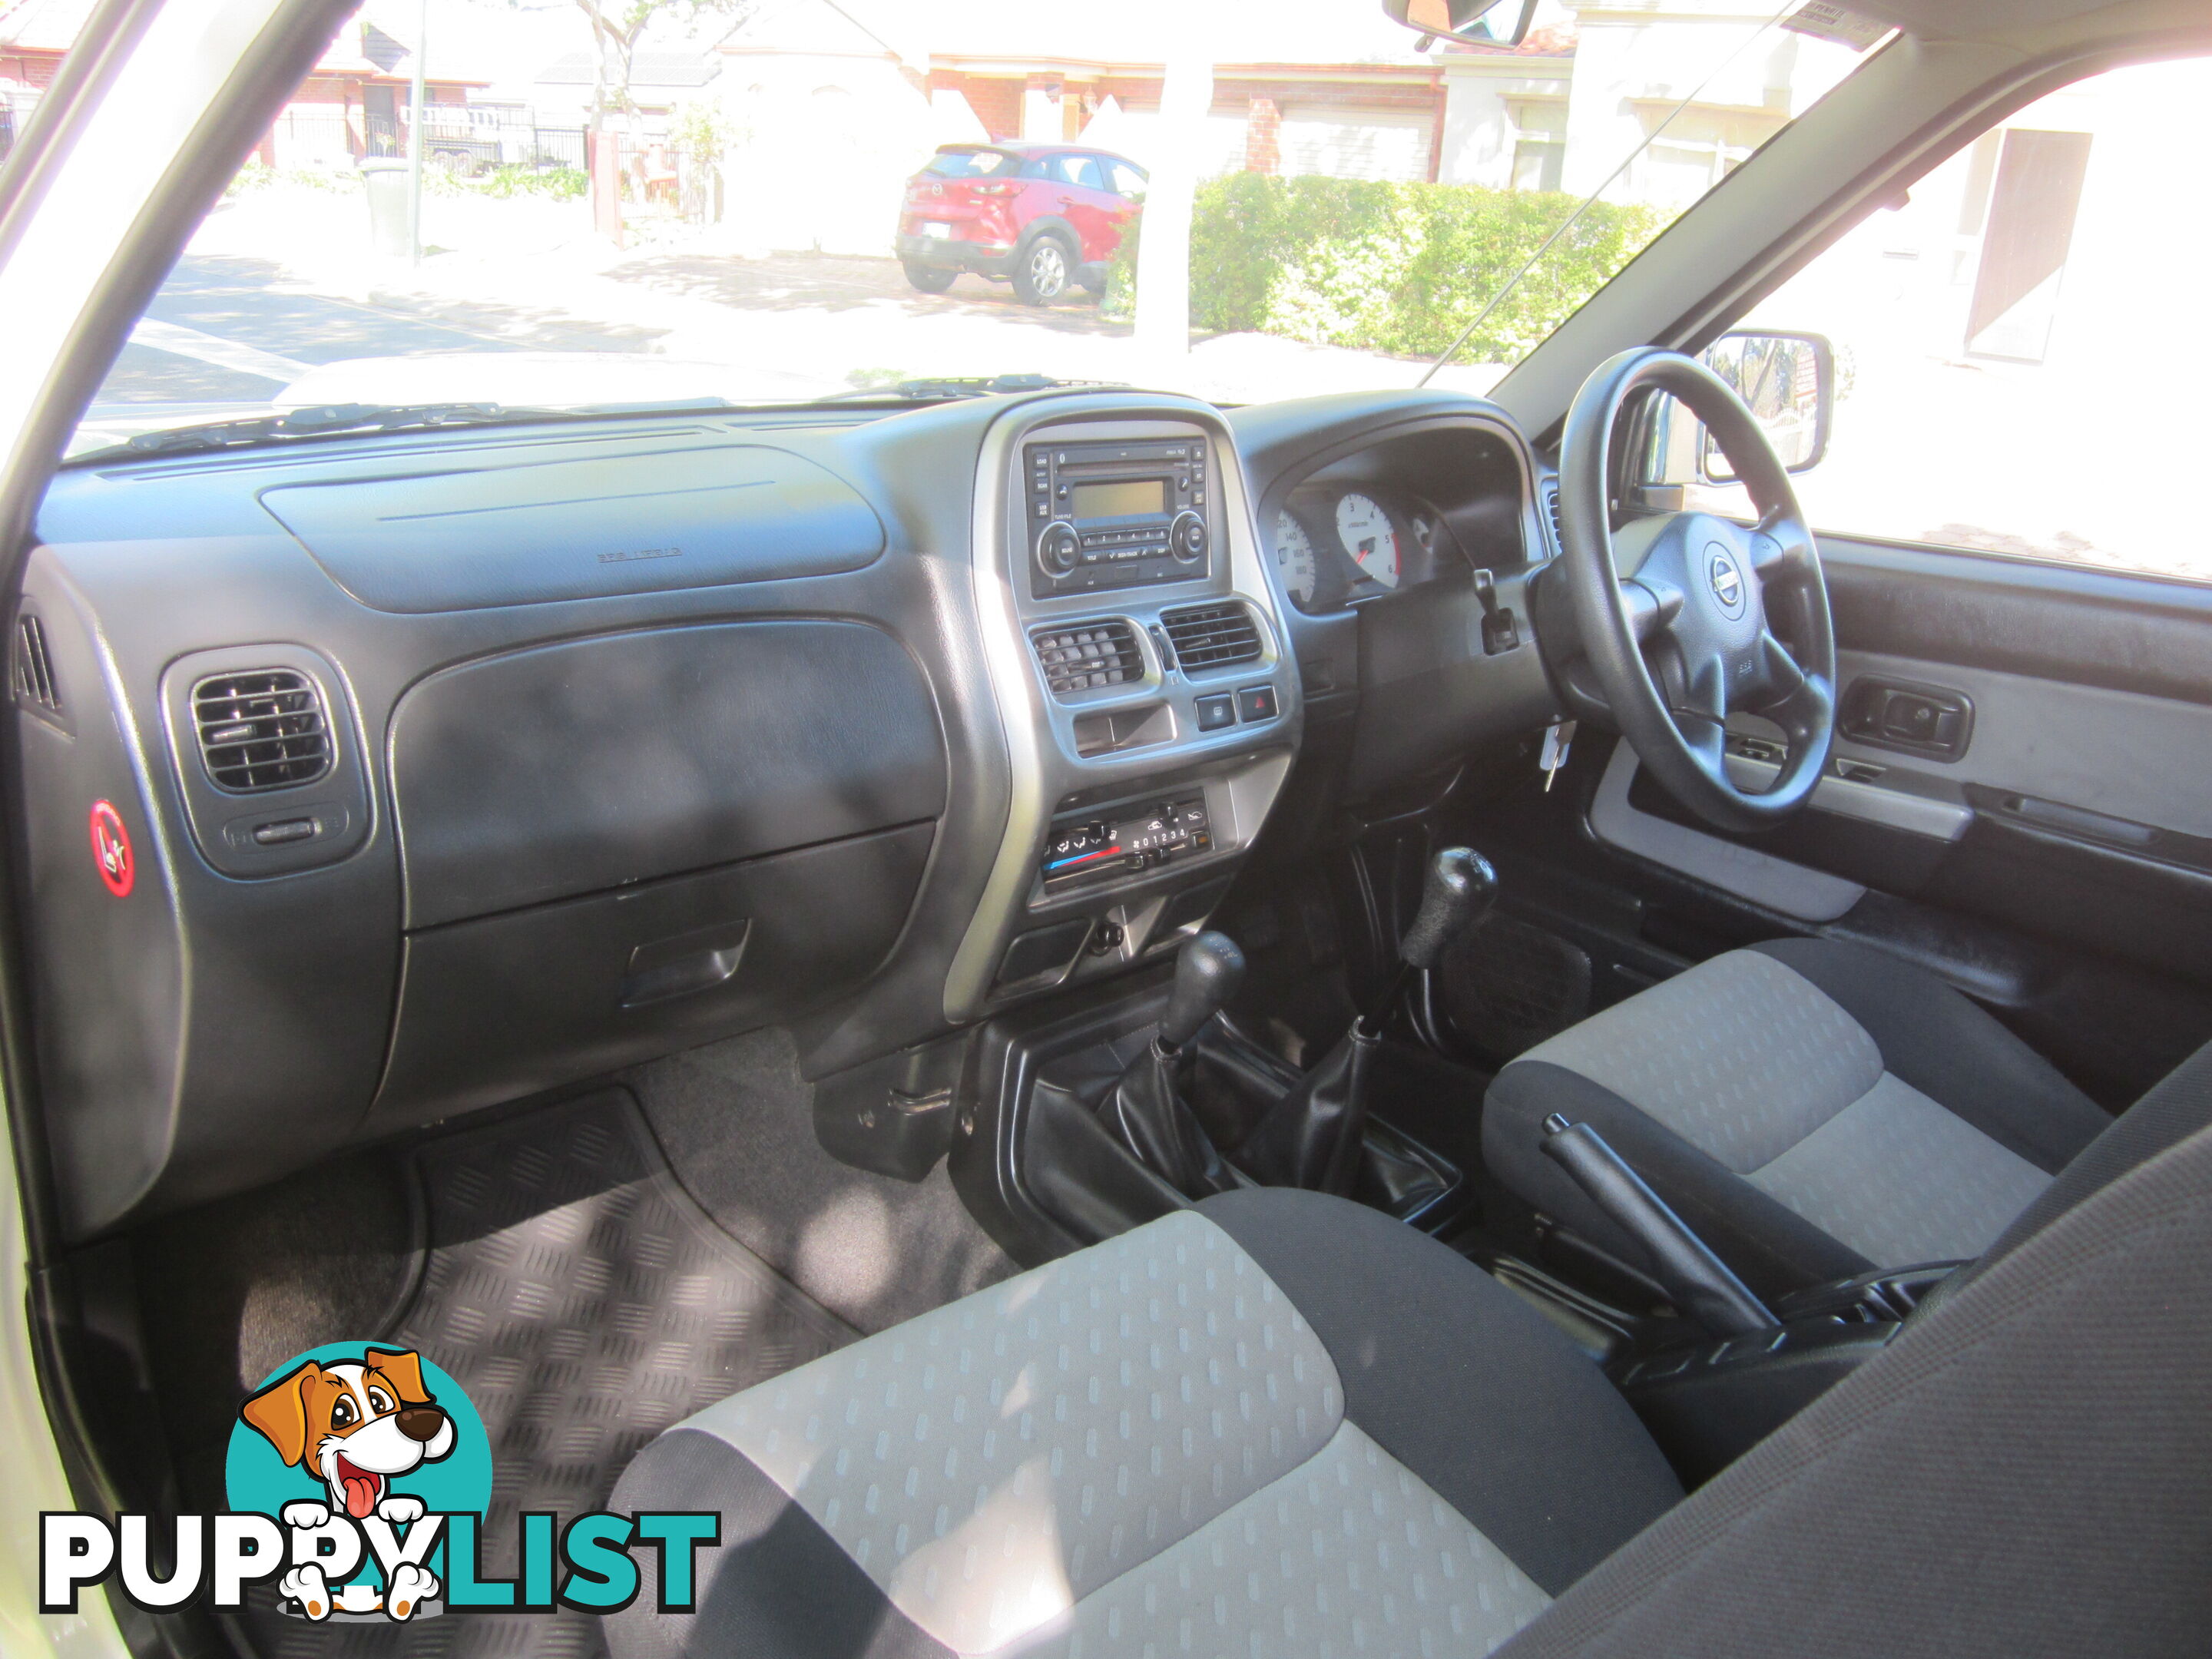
(1125, 499)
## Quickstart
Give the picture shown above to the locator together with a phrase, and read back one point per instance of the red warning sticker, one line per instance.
(111, 846)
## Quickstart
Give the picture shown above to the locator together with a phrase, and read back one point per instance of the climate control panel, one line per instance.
(1080, 850)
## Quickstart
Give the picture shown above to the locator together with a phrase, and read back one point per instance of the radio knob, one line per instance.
(1059, 549)
(1188, 538)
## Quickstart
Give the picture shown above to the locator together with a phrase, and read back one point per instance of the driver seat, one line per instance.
(1813, 1109)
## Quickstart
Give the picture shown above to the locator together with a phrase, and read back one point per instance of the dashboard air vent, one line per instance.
(1550, 492)
(1211, 636)
(34, 669)
(261, 730)
(1086, 656)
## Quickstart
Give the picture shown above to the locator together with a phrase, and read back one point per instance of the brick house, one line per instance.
(350, 106)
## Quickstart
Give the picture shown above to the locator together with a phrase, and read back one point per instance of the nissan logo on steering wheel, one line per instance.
(1725, 579)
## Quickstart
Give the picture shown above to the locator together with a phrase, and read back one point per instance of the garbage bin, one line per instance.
(388, 230)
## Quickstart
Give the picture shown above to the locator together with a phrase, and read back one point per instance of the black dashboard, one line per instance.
(371, 781)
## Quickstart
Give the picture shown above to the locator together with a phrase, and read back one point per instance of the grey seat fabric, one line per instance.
(2021, 1472)
(1278, 1425)
(1813, 1109)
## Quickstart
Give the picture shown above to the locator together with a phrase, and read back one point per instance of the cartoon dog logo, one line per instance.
(358, 1425)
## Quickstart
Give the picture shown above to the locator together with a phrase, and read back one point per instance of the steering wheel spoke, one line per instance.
(1651, 603)
(1782, 550)
(1779, 676)
(1803, 705)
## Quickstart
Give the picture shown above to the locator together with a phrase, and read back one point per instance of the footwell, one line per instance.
(583, 1303)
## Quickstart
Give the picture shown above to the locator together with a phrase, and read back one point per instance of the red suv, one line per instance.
(1043, 217)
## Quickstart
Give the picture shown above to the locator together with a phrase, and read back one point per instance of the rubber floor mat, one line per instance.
(583, 1303)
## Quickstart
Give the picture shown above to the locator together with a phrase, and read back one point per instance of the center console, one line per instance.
(1143, 680)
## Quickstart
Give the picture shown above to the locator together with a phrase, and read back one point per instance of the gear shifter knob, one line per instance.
(1208, 971)
(1460, 888)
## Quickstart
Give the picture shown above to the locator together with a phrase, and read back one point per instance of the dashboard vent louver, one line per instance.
(261, 730)
(34, 669)
(1211, 636)
(1551, 513)
(1086, 656)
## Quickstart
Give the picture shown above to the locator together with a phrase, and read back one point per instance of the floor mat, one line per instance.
(585, 1302)
(736, 1122)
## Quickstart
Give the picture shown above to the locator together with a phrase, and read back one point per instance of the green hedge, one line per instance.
(1391, 267)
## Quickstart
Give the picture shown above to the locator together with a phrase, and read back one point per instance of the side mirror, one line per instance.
(1788, 383)
(1471, 23)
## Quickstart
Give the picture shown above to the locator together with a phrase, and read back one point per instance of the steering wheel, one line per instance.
(1673, 612)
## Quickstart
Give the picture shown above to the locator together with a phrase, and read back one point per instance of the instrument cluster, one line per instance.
(1333, 545)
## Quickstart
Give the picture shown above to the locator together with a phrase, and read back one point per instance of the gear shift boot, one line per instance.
(1147, 1113)
(1149, 1110)
(1311, 1137)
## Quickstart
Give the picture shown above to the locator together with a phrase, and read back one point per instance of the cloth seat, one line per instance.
(1285, 1425)
(1225, 1431)
(1813, 1109)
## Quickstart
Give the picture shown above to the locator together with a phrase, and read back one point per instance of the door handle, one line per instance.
(1933, 720)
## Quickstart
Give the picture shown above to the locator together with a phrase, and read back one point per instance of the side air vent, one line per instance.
(261, 730)
(1551, 493)
(34, 669)
(1211, 636)
(1089, 655)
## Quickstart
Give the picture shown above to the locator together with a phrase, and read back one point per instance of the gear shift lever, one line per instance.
(1460, 888)
(1208, 969)
(1148, 1111)
(1314, 1135)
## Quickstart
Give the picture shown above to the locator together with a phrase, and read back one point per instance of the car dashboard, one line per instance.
(447, 770)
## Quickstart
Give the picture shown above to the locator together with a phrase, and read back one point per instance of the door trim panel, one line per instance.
(1757, 877)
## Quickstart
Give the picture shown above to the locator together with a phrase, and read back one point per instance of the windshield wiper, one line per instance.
(317, 421)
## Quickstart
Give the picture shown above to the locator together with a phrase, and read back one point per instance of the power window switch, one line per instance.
(1216, 712)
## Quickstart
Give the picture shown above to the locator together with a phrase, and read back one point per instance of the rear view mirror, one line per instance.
(1788, 383)
(1471, 23)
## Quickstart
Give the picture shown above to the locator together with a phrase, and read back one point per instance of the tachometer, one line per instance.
(1294, 558)
(1368, 535)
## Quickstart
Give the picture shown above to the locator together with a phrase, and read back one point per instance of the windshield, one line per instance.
(559, 206)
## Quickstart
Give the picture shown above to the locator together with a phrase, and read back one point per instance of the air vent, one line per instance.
(1089, 655)
(1551, 514)
(34, 669)
(262, 729)
(1211, 636)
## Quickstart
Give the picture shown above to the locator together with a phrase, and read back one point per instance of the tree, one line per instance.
(618, 25)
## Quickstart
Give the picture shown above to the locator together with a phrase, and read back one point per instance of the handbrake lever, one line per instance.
(1698, 1282)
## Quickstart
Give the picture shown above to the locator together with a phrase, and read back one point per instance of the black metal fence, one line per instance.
(467, 140)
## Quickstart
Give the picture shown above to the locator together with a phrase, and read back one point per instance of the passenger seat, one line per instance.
(1283, 1424)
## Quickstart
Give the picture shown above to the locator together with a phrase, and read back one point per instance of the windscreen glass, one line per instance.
(571, 206)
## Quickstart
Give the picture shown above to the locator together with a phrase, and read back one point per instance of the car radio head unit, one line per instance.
(1110, 515)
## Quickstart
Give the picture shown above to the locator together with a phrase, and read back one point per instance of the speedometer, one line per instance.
(1294, 559)
(1368, 535)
